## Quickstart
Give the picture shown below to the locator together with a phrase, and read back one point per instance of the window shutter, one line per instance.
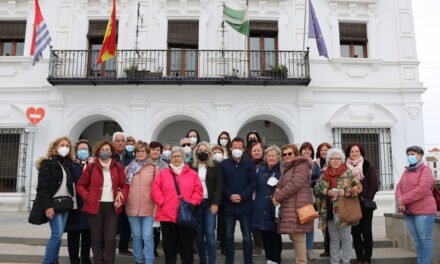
(97, 29)
(263, 26)
(183, 33)
(13, 30)
(353, 32)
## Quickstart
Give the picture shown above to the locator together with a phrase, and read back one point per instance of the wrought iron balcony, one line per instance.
(180, 66)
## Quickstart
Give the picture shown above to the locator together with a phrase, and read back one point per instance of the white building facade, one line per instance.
(190, 72)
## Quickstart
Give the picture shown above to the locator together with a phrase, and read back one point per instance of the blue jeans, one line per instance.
(206, 229)
(420, 227)
(57, 224)
(309, 239)
(245, 226)
(142, 230)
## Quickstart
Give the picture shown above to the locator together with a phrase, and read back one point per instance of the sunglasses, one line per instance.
(287, 154)
(186, 145)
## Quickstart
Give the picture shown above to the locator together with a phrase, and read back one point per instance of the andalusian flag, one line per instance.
(237, 19)
(40, 37)
(108, 49)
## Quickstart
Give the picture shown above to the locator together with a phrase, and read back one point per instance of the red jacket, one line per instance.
(164, 192)
(414, 189)
(89, 186)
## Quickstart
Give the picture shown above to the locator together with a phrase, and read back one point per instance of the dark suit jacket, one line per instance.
(214, 182)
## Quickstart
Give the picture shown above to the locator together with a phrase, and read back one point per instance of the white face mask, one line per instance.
(193, 140)
(63, 151)
(187, 150)
(218, 157)
(166, 153)
(224, 142)
(237, 153)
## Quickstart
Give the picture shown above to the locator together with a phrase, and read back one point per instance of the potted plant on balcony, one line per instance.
(132, 71)
(279, 72)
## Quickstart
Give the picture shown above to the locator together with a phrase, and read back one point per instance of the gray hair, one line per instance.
(177, 148)
(273, 148)
(336, 151)
(184, 139)
(119, 134)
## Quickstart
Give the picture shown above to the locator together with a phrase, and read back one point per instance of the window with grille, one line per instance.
(12, 34)
(377, 145)
(13, 159)
(353, 40)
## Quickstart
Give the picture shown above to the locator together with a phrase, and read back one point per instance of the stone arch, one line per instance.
(365, 115)
(82, 119)
(277, 117)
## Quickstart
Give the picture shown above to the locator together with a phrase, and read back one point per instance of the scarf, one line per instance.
(133, 168)
(177, 169)
(415, 166)
(331, 175)
(357, 167)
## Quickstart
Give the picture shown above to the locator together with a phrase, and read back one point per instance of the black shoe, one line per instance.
(156, 254)
(125, 253)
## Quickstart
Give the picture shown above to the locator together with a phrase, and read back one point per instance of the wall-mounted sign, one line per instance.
(35, 115)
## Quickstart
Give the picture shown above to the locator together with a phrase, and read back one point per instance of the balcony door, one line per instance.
(263, 46)
(95, 37)
(182, 57)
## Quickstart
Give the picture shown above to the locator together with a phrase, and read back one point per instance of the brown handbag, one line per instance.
(306, 213)
(349, 209)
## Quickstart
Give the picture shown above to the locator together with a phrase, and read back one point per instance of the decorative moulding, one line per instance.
(352, 1)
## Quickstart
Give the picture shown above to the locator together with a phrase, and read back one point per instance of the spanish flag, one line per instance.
(108, 49)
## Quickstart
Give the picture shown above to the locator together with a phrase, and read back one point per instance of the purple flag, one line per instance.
(315, 31)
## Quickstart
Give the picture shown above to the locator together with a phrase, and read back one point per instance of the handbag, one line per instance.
(37, 216)
(306, 213)
(62, 204)
(370, 204)
(349, 209)
(187, 215)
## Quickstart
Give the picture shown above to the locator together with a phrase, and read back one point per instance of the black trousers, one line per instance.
(73, 244)
(326, 236)
(156, 233)
(177, 239)
(103, 228)
(124, 231)
(273, 245)
(363, 236)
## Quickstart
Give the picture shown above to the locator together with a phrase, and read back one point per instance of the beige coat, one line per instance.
(139, 201)
(293, 191)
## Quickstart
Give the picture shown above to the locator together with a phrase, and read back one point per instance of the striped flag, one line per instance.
(108, 49)
(237, 19)
(41, 37)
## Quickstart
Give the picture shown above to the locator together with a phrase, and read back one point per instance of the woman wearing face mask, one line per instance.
(362, 233)
(218, 153)
(224, 140)
(210, 175)
(263, 218)
(139, 206)
(176, 239)
(98, 187)
(166, 153)
(129, 147)
(186, 145)
(55, 179)
(252, 138)
(77, 227)
(415, 200)
(194, 137)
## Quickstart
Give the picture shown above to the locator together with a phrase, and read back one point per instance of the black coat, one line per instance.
(50, 177)
(214, 182)
(370, 183)
(77, 219)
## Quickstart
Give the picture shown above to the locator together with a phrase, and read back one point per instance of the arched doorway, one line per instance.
(271, 133)
(100, 130)
(175, 131)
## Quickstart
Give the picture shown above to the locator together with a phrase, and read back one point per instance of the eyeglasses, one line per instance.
(287, 154)
(176, 157)
(335, 159)
(186, 145)
(119, 140)
(141, 151)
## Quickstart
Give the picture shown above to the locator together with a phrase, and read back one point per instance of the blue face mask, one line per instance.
(412, 159)
(129, 148)
(82, 154)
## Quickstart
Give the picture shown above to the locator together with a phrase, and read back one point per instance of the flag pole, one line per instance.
(305, 21)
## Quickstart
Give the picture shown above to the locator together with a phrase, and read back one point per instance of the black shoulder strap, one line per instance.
(175, 182)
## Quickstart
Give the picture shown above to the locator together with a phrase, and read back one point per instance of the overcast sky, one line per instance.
(426, 13)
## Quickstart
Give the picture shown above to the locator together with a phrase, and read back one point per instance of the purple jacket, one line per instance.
(414, 189)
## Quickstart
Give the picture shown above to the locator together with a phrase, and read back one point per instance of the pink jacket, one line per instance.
(164, 192)
(139, 202)
(414, 189)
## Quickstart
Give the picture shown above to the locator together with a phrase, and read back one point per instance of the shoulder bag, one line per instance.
(306, 213)
(349, 209)
(187, 215)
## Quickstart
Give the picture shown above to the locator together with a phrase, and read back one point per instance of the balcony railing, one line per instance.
(180, 66)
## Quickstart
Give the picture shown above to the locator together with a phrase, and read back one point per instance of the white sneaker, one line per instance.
(310, 255)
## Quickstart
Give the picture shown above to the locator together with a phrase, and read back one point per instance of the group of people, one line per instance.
(233, 180)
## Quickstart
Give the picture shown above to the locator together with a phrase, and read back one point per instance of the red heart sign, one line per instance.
(35, 115)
